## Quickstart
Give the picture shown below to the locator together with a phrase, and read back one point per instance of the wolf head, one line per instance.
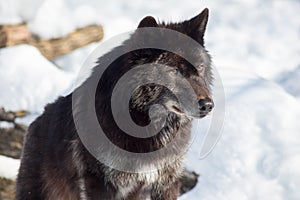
(199, 77)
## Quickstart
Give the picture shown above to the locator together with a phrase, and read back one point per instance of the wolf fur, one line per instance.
(55, 164)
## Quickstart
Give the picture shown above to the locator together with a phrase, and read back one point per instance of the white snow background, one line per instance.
(255, 46)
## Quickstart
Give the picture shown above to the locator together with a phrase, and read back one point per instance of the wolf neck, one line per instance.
(172, 128)
(174, 125)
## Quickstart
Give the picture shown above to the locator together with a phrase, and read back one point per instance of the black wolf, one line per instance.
(56, 165)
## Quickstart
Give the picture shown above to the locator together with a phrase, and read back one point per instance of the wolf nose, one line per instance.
(206, 105)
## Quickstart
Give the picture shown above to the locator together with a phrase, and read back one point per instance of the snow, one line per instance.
(255, 47)
(8, 12)
(288, 79)
(29, 80)
(48, 14)
(258, 153)
(9, 170)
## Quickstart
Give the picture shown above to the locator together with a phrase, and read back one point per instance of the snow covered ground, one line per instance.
(255, 47)
(9, 167)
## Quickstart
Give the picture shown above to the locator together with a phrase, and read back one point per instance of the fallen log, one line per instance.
(14, 34)
(11, 141)
(9, 116)
(11, 35)
(7, 189)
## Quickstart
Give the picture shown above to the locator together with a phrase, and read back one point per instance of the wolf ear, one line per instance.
(148, 22)
(197, 26)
